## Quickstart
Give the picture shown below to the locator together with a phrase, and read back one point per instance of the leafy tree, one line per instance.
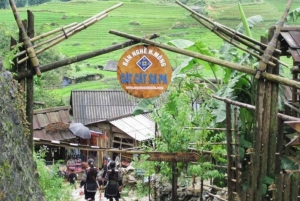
(49, 80)
(3, 4)
(32, 2)
(21, 3)
(176, 119)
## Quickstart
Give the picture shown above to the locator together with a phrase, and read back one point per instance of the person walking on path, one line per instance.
(90, 180)
(71, 178)
(113, 181)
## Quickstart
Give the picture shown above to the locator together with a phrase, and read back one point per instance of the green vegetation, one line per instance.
(50, 182)
(64, 93)
(154, 19)
(51, 15)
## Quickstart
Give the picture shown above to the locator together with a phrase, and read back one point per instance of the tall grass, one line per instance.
(51, 184)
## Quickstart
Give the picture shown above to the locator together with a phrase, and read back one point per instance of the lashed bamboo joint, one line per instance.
(27, 43)
(66, 33)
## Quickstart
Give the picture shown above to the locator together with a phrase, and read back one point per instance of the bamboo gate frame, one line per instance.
(269, 122)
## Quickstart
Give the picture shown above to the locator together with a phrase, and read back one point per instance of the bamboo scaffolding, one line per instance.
(274, 118)
(229, 37)
(28, 45)
(220, 62)
(73, 30)
(66, 36)
(232, 33)
(44, 35)
(81, 57)
(212, 143)
(272, 44)
(201, 128)
(252, 107)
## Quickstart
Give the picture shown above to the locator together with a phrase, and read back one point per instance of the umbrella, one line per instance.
(78, 129)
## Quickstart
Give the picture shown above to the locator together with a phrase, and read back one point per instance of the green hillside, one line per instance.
(151, 17)
(138, 18)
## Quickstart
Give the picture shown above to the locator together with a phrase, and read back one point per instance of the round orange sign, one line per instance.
(144, 71)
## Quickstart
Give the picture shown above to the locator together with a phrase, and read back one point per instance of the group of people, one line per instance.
(93, 180)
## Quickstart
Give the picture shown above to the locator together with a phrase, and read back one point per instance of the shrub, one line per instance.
(134, 23)
(179, 25)
(50, 182)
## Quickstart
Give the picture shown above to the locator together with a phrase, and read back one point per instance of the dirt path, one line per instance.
(77, 197)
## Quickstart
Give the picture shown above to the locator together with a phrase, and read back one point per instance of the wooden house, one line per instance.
(108, 112)
(51, 125)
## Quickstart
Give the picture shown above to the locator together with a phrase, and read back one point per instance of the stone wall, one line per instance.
(19, 182)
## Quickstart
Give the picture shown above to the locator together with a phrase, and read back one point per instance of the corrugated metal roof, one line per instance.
(111, 66)
(90, 106)
(139, 127)
(292, 38)
(44, 117)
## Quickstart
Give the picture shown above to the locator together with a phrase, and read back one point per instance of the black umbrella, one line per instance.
(78, 129)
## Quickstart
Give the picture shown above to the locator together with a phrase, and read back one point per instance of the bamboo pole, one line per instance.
(294, 187)
(238, 165)
(44, 35)
(230, 173)
(28, 45)
(65, 36)
(272, 44)
(74, 29)
(232, 33)
(252, 107)
(200, 128)
(22, 67)
(29, 85)
(14, 67)
(257, 175)
(212, 143)
(273, 120)
(286, 187)
(81, 57)
(220, 62)
(228, 37)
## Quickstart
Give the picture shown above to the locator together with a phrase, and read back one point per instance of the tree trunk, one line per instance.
(19, 181)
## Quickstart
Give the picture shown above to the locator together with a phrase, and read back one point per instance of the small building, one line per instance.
(111, 65)
(110, 112)
(51, 125)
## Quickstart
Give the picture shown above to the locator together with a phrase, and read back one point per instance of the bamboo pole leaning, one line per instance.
(81, 57)
(44, 35)
(228, 31)
(230, 35)
(84, 24)
(53, 43)
(73, 30)
(252, 107)
(64, 36)
(27, 43)
(273, 42)
(234, 40)
(231, 65)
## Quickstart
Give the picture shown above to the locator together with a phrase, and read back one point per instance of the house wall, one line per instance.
(113, 138)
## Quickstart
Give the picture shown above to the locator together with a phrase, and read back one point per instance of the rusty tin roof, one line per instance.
(89, 106)
(291, 43)
(52, 116)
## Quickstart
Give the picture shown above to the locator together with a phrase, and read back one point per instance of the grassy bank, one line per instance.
(138, 18)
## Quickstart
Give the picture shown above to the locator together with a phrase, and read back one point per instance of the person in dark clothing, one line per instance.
(72, 177)
(113, 178)
(90, 180)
